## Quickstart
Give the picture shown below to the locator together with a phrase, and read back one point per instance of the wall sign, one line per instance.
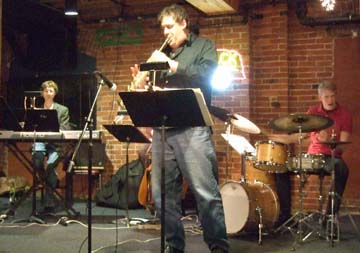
(126, 35)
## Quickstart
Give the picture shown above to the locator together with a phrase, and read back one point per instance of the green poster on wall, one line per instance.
(126, 35)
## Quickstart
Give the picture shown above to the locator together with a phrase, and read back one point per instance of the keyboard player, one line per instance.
(42, 150)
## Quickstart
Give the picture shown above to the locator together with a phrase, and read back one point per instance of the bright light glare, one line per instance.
(222, 78)
(329, 5)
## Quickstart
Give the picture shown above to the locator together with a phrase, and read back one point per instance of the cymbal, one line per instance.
(307, 122)
(220, 113)
(244, 125)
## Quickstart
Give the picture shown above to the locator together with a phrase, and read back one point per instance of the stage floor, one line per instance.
(110, 233)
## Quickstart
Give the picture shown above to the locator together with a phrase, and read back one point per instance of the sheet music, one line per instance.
(202, 104)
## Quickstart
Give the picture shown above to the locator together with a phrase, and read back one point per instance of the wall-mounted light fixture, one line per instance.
(71, 8)
(328, 5)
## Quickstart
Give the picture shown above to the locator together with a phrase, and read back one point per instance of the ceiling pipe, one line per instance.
(309, 21)
(301, 12)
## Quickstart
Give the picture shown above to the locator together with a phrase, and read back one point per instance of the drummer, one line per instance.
(339, 131)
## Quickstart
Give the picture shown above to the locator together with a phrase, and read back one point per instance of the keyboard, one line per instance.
(48, 136)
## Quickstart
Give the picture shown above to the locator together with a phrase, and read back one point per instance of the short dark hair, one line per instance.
(178, 12)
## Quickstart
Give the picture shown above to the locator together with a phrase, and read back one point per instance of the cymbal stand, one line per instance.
(331, 222)
(299, 218)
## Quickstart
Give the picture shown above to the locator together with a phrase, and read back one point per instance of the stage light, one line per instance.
(230, 68)
(222, 78)
(71, 8)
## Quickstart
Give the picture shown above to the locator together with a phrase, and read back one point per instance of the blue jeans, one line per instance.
(40, 151)
(189, 153)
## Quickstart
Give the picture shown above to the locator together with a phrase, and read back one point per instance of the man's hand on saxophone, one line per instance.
(140, 78)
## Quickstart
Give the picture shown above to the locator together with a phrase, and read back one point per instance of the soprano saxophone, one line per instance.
(141, 75)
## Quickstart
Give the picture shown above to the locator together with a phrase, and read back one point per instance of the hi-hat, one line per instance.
(307, 122)
(244, 125)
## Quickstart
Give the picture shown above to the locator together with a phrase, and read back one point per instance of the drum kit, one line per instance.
(252, 204)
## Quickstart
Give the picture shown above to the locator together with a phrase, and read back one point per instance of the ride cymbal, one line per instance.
(306, 122)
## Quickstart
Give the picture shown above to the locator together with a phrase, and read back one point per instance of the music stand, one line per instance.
(128, 134)
(41, 120)
(161, 109)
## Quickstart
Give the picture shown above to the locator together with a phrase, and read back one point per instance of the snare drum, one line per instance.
(309, 163)
(271, 156)
(243, 202)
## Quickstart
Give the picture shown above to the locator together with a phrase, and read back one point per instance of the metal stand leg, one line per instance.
(296, 224)
(259, 210)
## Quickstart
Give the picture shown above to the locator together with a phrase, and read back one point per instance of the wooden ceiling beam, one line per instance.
(216, 7)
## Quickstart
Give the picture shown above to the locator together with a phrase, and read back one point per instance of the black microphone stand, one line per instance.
(88, 125)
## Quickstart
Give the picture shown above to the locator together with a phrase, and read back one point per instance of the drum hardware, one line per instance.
(224, 115)
(332, 222)
(300, 123)
(299, 218)
(239, 143)
(259, 211)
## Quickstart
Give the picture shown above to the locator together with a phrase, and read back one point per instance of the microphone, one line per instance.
(111, 85)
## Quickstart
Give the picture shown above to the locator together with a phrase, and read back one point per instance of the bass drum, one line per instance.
(241, 204)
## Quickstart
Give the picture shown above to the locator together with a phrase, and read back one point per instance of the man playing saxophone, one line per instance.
(189, 151)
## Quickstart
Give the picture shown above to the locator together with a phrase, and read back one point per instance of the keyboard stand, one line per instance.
(20, 156)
